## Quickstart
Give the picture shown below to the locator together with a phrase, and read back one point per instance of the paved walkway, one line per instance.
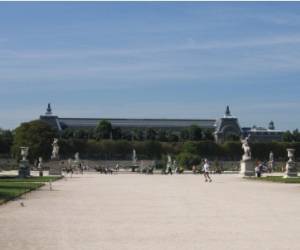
(137, 212)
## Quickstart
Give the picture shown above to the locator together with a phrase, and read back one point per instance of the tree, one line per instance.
(208, 135)
(296, 135)
(117, 133)
(287, 136)
(184, 134)
(150, 134)
(38, 136)
(162, 135)
(188, 159)
(103, 130)
(6, 140)
(195, 133)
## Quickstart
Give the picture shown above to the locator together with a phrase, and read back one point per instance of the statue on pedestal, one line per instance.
(56, 168)
(246, 165)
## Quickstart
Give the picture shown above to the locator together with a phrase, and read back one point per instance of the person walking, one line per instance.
(206, 171)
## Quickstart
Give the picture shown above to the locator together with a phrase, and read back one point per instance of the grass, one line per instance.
(295, 180)
(12, 187)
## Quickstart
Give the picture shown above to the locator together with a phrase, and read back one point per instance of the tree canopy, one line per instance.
(38, 136)
(103, 130)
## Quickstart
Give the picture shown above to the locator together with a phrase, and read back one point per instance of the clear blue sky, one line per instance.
(152, 60)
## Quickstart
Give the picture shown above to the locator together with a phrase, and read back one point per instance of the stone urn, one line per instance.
(291, 168)
(24, 169)
(24, 153)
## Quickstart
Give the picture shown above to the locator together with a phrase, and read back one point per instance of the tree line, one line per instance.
(188, 149)
(104, 130)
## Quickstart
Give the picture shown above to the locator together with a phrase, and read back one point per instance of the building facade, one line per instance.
(225, 129)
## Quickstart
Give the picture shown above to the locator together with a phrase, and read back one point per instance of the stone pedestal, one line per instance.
(55, 169)
(24, 169)
(247, 168)
(291, 169)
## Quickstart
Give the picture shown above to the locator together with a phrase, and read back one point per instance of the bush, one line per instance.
(187, 160)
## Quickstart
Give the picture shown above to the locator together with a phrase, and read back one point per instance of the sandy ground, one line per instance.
(131, 211)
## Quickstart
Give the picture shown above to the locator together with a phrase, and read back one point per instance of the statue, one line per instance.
(246, 148)
(271, 162)
(134, 158)
(55, 149)
(169, 166)
(40, 166)
(169, 159)
(246, 165)
(76, 156)
(56, 168)
(271, 156)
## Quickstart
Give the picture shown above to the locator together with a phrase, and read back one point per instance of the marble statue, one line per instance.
(134, 158)
(169, 159)
(76, 156)
(40, 163)
(40, 166)
(246, 148)
(246, 165)
(271, 162)
(271, 156)
(55, 149)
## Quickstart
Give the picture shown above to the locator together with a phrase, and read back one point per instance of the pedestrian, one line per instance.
(169, 170)
(194, 169)
(206, 171)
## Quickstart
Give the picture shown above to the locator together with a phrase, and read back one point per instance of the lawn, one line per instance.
(12, 187)
(276, 179)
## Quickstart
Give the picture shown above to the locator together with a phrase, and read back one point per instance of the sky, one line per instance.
(151, 60)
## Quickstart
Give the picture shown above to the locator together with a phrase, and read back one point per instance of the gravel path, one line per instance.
(137, 212)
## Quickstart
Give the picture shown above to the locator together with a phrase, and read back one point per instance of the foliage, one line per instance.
(38, 136)
(289, 136)
(150, 134)
(6, 141)
(186, 159)
(103, 130)
(195, 133)
(280, 179)
(11, 188)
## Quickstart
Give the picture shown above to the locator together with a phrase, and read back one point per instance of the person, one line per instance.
(206, 171)
(194, 169)
(258, 169)
(169, 169)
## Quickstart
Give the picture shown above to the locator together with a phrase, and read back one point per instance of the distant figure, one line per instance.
(206, 171)
(50, 185)
(194, 169)
(258, 169)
